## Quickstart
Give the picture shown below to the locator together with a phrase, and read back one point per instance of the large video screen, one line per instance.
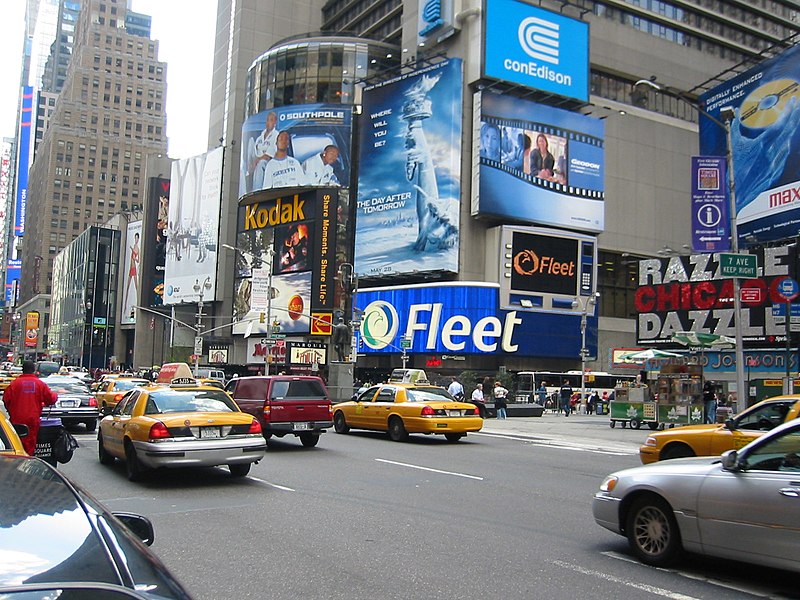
(765, 135)
(538, 164)
(409, 187)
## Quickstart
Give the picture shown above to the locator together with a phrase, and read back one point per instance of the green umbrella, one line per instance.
(703, 340)
(643, 356)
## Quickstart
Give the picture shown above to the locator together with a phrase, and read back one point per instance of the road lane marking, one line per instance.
(392, 462)
(633, 584)
(270, 484)
(545, 443)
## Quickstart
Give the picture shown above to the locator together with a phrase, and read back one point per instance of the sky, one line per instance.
(186, 44)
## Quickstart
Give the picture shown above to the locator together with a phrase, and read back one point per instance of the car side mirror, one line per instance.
(730, 424)
(139, 525)
(22, 430)
(730, 461)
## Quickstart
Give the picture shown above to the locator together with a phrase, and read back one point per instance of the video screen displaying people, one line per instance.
(527, 151)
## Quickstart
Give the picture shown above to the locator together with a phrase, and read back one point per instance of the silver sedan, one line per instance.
(743, 506)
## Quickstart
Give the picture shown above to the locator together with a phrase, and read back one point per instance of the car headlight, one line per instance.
(609, 483)
(650, 441)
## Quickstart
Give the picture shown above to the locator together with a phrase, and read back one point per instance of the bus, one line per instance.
(529, 381)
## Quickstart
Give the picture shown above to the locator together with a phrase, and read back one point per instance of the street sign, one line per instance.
(711, 227)
(198, 344)
(779, 314)
(405, 343)
(751, 295)
(788, 289)
(740, 266)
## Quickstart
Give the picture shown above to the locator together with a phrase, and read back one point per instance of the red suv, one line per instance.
(284, 404)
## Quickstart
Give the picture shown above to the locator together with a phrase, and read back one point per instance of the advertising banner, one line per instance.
(31, 329)
(13, 271)
(154, 234)
(6, 186)
(687, 293)
(193, 228)
(298, 145)
(536, 48)
(409, 190)
(287, 260)
(24, 149)
(538, 164)
(131, 275)
(262, 350)
(711, 225)
(465, 318)
(765, 134)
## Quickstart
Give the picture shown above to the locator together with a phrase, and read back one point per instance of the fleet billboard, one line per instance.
(131, 276)
(539, 49)
(765, 134)
(24, 149)
(686, 293)
(409, 187)
(287, 263)
(193, 228)
(465, 318)
(537, 164)
(297, 145)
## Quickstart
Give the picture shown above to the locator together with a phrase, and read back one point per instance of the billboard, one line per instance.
(765, 135)
(13, 271)
(538, 164)
(24, 149)
(131, 275)
(298, 145)
(465, 318)
(711, 225)
(154, 236)
(31, 329)
(6, 185)
(287, 263)
(409, 186)
(686, 293)
(193, 228)
(536, 48)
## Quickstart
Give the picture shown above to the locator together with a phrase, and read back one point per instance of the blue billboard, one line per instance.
(711, 225)
(13, 271)
(297, 145)
(536, 48)
(409, 186)
(765, 133)
(465, 318)
(23, 160)
(538, 164)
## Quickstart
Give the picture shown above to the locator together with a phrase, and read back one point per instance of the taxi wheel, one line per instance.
(677, 451)
(453, 437)
(104, 457)
(239, 470)
(309, 440)
(653, 532)
(132, 464)
(397, 431)
(340, 423)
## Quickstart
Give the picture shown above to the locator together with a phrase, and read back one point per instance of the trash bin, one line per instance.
(49, 429)
(601, 408)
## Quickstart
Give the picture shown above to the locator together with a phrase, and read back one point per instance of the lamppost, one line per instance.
(728, 114)
(88, 305)
(200, 290)
(585, 304)
(16, 317)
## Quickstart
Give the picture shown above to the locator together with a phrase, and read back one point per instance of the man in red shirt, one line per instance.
(24, 400)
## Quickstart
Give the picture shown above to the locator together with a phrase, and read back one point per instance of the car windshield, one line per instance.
(175, 401)
(124, 385)
(67, 387)
(428, 394)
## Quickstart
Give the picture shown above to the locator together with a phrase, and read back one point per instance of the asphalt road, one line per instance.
(502, 514)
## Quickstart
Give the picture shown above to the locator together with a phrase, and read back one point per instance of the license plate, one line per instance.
(209, 432)
(453, 413)
(67, 403)
(302, 426)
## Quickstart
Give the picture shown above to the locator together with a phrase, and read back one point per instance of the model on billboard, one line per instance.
(133, 273)
(433, 229)
(542, 161)
(283, 170)
(293, 251)
(519, 150)
(319, 168)
(490, 141)
(261, 150)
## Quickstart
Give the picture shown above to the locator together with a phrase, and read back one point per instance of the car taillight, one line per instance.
(118, 397)
(255, 427)
(266, 410)
(92, 401)
(159, 431)
(427, 411)
(471, 411)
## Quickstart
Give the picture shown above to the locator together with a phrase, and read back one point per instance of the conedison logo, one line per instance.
(539, 39)
(379, 325)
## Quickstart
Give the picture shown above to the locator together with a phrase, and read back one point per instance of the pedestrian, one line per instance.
(479, 400)
(456, 389)
(24, 400)
(500, 400)
(566, 397)
(542, 393)
(591, 404)
(709, 402)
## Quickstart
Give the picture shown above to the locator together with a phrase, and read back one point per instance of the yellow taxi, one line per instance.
(9, 438)
(6, 377)
(714, 439)
(211, 382)
(405, 405)
(183, 424)
(111, 391)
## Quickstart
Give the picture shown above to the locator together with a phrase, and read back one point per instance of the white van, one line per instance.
(208, 373)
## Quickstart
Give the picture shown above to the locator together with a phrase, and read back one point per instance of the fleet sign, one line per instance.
(536, 48)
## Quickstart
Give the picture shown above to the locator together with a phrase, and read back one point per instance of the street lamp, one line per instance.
(585, 304)
(88, 307)
(728, 114)
(200, 290)
(16, 317)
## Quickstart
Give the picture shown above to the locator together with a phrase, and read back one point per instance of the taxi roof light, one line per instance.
(159, 431)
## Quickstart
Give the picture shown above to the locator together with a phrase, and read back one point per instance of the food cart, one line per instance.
(676, 398)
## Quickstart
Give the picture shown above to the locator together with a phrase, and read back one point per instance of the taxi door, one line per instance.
(751, 425)
(113, 427)
(377, 412)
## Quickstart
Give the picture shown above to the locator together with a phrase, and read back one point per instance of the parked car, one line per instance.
(58, 541)
(714, 439)
(742, 506)
(285, 404)
(180, 425)
(75, 404)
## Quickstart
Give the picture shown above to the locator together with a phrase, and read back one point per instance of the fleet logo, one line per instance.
(529, 263)
(379, 324)
(539, 39)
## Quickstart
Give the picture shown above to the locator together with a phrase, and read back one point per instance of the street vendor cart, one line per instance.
(634, 406)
